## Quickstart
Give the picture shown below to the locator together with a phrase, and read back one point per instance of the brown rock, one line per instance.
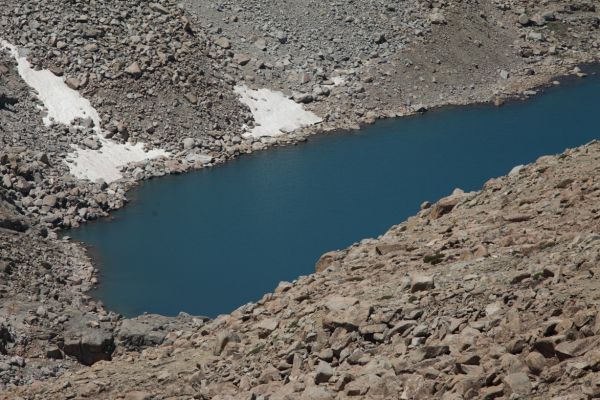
(427, 352)
(223, 42)
(73, 83)
(518, 383)
(138, 395)
(575, 348)
(421, 282)
(316, 393)
(535, 362)
(445, 205)
(492, 392)
(134, 70)
(241, 59)
(324, 372)
(325, 261)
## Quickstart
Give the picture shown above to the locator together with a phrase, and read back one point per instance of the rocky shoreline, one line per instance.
(164, 74)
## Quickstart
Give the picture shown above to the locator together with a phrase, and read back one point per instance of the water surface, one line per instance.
(210, 241)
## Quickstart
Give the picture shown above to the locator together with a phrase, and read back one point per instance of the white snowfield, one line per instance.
(106, 162)
(64, 105)
(274, 114)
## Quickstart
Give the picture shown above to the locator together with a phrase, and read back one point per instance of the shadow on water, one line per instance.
(209, 241)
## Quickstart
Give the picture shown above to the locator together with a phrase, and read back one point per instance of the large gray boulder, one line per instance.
(138, 333)
(12, 221)
(93, 346)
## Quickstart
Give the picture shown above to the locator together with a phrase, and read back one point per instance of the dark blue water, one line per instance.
(210, 241)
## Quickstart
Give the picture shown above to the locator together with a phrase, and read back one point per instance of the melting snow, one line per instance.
(64, 105)
(106, 162)
(274, 114)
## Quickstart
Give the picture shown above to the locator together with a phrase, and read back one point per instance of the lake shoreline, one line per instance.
(150, 195)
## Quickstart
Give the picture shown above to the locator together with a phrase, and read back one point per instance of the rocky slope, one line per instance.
(490, 294)
(164, 73)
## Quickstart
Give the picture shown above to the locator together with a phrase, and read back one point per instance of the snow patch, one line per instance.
(274, 114)
(64, 105)
(107, 162)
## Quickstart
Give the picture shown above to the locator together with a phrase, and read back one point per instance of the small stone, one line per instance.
(535, 362)
(303, 98)
(158, 8)
(138, 395)
(427, 352)
(491, 392)
(223, 43)
(54, 353)
(17, 361)
(575, 348)
(241, 59)
(261, 44)
(73, 83)
(437, 18)
(379, 38)
(56, 70)
(282, 37)
(188, 143)
(518, 383)
(134, 70)
(92, 143)
(325, 261)
(326, 354)
(266, 326)
(192, 98)
(524, 19)
(324, 372)
(420, 282)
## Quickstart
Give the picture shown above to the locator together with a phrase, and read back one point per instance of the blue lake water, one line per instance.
(210, 241)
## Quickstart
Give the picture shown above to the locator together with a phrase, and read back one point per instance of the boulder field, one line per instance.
(490, 294)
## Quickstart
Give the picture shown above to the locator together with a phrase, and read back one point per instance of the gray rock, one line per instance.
(92, 143)
(134, 70)
(94, 345)
(241, 59)
(303, 98)
(188, 143)
(54, 353)
(518, 383)
(134, 333)
(436, 17)
(49, 201)
(73, 83)
(223, 42)
(421, 282)
(524, 20)
(379, 38)
(324, 372)
(535, 362)
(316, 393)
(12, 222)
